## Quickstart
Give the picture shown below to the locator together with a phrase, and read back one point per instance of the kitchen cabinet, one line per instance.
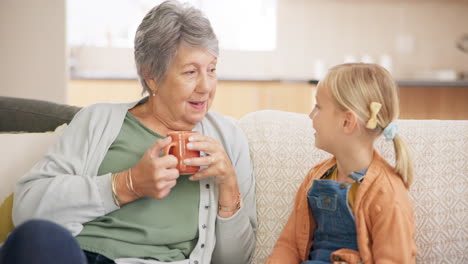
(233, 98)
(434, 102)
(418, 100)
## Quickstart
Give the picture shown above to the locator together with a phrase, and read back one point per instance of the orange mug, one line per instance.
(178, 148)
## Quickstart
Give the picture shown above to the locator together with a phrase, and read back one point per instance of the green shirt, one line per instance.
(166, 230)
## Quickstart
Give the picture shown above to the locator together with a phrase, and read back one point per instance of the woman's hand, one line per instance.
(217, 161)
(152, 176)
(219, 166)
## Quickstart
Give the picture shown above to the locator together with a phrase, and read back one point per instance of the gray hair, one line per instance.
(161, 32)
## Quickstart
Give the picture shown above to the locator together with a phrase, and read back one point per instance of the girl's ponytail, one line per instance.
(403, 163)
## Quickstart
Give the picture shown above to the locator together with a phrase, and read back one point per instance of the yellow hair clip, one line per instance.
(374, 109)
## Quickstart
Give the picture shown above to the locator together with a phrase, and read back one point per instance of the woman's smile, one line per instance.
(199, 105)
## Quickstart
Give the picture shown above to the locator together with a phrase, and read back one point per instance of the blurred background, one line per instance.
(273, 52)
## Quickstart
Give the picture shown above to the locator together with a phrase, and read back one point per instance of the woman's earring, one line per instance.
(154, 93)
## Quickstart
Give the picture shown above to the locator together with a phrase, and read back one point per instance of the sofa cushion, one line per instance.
(18, 154)
(6, 223)
(282, 151)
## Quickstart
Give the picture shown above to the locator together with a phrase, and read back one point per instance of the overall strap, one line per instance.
(358, 176)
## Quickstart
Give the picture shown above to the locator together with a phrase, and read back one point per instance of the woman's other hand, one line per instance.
(217, 161)
(219, 166)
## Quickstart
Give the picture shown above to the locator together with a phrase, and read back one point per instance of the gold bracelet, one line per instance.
(228, 209)
(130, 183)
(127, 182)
(114, 193)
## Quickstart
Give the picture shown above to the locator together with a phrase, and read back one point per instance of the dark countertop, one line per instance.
(433, 83)
(401, 83)
(425, 83)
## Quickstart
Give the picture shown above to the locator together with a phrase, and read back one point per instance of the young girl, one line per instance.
(354, 207)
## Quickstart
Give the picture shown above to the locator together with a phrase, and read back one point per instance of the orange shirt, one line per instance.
(383, 214)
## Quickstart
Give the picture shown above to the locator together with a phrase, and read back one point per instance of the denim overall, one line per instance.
(336, 228)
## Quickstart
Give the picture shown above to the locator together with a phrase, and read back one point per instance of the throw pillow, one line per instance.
(18, 154)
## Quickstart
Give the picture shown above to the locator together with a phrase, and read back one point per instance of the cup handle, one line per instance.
(168, 148)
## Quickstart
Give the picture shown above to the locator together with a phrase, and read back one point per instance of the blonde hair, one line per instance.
(354, 87)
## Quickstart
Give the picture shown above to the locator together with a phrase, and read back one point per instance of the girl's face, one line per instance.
(326, 118)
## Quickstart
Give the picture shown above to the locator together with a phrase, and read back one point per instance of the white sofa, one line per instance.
(282, 150)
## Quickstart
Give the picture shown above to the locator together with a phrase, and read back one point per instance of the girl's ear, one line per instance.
(350, 122)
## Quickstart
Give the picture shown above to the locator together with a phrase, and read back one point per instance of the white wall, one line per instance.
(33, 49)
(33, 52)
(418, 35)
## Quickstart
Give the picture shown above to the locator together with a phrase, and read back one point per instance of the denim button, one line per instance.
(207, 186)
(207, 206)
(202, 245)
(343, 185)
(327, 200)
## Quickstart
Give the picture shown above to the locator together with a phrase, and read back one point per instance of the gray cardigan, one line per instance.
(64, 187)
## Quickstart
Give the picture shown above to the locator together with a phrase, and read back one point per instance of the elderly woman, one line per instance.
(82, 183)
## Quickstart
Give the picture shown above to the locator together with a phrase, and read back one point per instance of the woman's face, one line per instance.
(188, 89)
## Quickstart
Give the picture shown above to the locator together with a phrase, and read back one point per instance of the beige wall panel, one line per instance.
(33, 50)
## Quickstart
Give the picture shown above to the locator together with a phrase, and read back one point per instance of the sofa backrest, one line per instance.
(29, 115)
(282, 150)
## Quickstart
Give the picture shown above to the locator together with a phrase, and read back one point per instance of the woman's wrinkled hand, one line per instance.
(154, 176)
(217, 161)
